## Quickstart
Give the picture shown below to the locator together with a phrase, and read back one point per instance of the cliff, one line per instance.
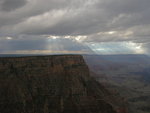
(50, 84)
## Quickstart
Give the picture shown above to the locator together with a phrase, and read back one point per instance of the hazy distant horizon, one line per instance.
(3, 55)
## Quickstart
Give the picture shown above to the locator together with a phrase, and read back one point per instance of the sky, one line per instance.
(74, 27)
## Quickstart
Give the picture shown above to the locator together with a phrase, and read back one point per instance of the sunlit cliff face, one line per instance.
(75, 26)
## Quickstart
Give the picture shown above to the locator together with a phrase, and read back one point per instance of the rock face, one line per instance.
(50, 84)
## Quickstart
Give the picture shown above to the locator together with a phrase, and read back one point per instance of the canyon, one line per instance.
(127, 75)
(53, 84)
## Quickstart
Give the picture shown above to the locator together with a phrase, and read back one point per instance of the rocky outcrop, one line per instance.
(50, 84)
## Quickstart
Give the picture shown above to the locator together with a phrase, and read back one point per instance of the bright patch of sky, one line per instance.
(116, 48)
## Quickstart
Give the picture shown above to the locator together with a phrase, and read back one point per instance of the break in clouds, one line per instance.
(75, 26)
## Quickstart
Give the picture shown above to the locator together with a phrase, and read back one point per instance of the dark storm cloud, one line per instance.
(31, 9)
(98, 20)
(9, 5)
(128, 13)
(87, 18)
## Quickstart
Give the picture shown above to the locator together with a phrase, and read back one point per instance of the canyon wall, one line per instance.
(51, 84)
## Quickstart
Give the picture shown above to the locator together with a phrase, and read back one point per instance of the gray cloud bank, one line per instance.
(98, 20)
(10, 5)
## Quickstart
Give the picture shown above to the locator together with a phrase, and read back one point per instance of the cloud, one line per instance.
(117, 48)
(95, 21)
(42, 45)
(10, 5)
(146, 46)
